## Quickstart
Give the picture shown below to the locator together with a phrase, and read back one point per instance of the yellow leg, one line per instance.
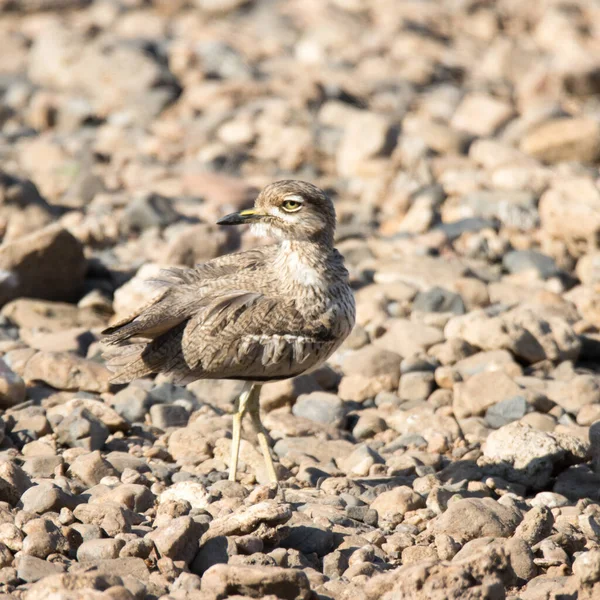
(261, 432)
(241, 404)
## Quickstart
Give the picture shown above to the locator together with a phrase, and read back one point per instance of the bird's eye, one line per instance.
(291, 205)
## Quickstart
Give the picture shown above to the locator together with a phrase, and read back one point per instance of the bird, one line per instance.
(262, 315)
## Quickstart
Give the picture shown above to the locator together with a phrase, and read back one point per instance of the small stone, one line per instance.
(80, 429)
(536, 525)
(179, 539)
(439, 300)
(320, 407)
(506, 411)
(168, 415)
(91, 468)
(149, 210)
(109, 516)
(391, 506)
(416, 386)
(102, 549)
(524, 260)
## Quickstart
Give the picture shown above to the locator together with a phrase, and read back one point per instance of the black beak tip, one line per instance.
(232, 219)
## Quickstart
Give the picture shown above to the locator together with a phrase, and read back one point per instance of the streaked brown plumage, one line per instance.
(262, 315)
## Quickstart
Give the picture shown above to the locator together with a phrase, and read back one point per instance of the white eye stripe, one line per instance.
(295, 199)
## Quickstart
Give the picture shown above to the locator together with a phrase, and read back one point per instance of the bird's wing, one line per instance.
(249, 335)
(185, 293)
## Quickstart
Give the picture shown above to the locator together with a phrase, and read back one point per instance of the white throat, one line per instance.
(297, 267)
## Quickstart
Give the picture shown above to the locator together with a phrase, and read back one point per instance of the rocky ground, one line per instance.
(451, 449)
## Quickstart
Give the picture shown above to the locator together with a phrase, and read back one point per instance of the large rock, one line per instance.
(48, 264)
(475, 578)
(473, 518)
(564, 139)
(529, 456)
(67, 371)
(256, 582)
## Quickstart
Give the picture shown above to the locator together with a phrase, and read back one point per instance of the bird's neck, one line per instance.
(306, 250)
(304, 264)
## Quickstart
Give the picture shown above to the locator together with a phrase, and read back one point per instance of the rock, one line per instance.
(140, 88)
(214, 551)
(179, 539)
(586, 567)
(247, 520)
(66, 371)
(524, 260)
(94, 550)
(480, 114)
(439, 300)
(132, 403)
(360, 461)
(148, 210)
(256, 582)
(309, 539)
(320, 407)
(168, 415)
(91, 468)
(13, 482)
(46, 497)
(416, 386)
(48, 264)
(187, 447)
(506, 411)
(407, 338)
(528, 456)
(188, 491)
(536, 525)
(366, 135)
(369, 371)
(31, 569)
(109, 516)
(473, 518)
(475, 577)
(50, 587)
(569, 209)
(564, 139)
(519, 554)
(391, 506)
(80, 429)
(12, 387)
(482, 391)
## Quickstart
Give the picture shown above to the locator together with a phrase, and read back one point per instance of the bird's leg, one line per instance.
(241, 404)
(261, 432)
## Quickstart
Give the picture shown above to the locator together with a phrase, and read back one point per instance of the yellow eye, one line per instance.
(291, 205)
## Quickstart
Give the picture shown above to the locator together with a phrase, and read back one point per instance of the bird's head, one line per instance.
(289, 210)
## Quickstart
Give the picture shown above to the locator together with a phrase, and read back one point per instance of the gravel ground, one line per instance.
(451, 448)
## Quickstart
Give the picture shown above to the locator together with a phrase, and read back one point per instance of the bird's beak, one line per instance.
(241, 218)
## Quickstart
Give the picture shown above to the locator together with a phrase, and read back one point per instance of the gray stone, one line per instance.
(168, 415)
(132, 403)
(524, 260)
(439, 300)
(321, 407)
(80, 429)
(506, 411)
